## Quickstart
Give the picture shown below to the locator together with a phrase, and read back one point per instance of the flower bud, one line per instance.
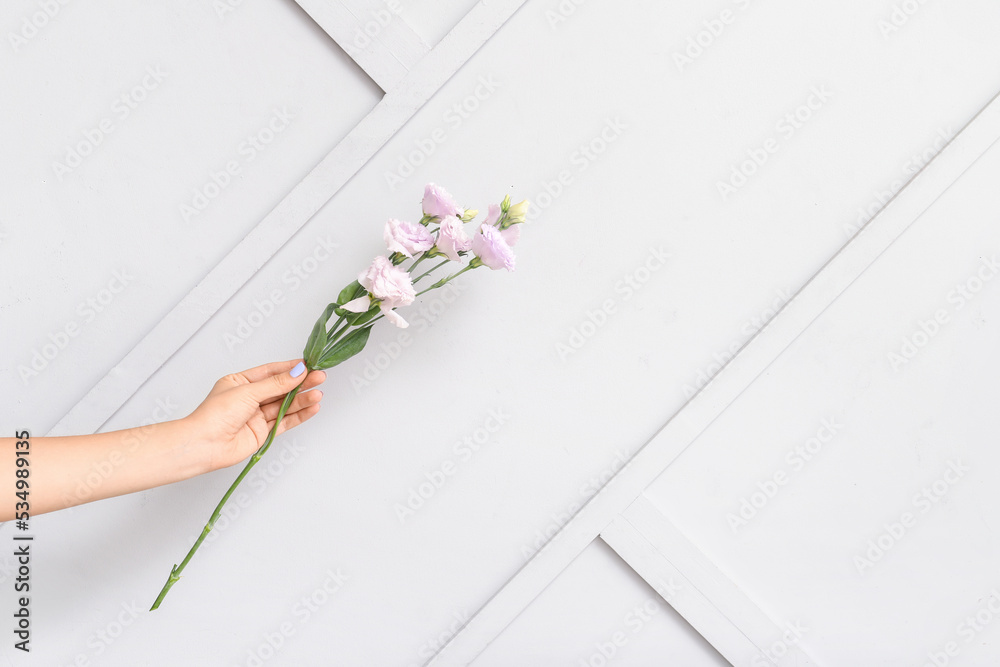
(517, 212)
(469, 215)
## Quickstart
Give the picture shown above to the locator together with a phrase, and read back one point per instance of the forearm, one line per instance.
(71, 470)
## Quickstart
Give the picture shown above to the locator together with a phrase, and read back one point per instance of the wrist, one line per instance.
(186, 449)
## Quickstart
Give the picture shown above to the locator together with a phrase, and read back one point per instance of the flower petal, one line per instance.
(359, 305)
(492, 215)
(511, 234)
(393, 316)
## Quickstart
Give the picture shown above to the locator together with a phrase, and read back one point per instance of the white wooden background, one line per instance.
(761, 522)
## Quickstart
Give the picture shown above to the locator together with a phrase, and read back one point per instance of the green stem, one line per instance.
(427, 273)
(334, 328)
(334, 336)
(422, 257)
(175, 572)
(442, 283)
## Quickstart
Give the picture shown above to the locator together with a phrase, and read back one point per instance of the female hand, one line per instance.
(239, 412)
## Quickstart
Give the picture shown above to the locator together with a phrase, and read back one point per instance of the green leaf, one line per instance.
(350, 293)
(360, 319)
(346, 348)
(317, 339)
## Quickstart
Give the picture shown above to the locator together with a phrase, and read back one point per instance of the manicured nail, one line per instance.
(298, 370)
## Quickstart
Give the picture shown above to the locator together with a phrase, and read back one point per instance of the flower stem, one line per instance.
(422, 257)
(175, 572)
(442, 283)
(334, 335)
(430, 271)
(330, 336)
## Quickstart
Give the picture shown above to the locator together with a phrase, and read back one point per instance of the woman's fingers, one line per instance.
(301, 400)
(271, 387)
(293, 420)
(314, 379)
(258, 373)
(269, 382)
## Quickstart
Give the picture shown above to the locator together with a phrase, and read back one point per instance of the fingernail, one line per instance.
(298, 370)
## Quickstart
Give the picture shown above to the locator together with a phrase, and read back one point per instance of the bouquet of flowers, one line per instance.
(385, 286)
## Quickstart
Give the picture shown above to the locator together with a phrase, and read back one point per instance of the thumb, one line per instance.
(275, 385)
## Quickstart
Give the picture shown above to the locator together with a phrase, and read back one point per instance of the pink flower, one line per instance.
(388, 284)
(511, 234)
(452, 238)
(491, 248)
(437, 202)
(406, 238)
(492, 215)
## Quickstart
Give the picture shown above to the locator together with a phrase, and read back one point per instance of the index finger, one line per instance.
(258, 373)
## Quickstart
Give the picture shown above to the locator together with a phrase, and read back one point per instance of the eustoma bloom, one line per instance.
(385, 286)
(452, 238)
(437, 203)
(492, 250)
(406, 237)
